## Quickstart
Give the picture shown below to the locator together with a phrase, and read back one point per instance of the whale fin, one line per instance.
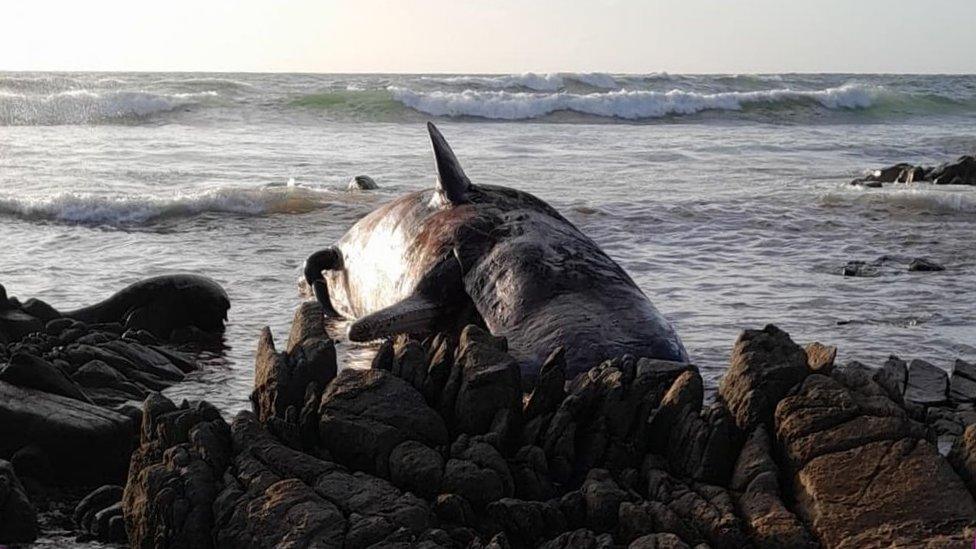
(436, 297)
(451, 181)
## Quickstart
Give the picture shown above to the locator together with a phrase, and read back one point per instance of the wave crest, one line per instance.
(90, 209)
(625, 104)
(86, 106)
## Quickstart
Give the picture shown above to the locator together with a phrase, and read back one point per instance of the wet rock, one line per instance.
(893, 378)
(820, 357)
(962, 382)
(18, 518)
(927, 384)
(526, 523)
(409, 362)
(759, 498)
(765, 365)
(86, 444)
(863, 472)
(365, 414)
(416, 468)
(921, 264)
(362, 183)
(26, 370)
(549, 390)
(99, 499)
(861, 269)
(477, 472)
(960, 172)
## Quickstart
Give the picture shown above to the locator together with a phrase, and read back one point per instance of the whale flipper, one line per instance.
(438, 294)
(451, 181)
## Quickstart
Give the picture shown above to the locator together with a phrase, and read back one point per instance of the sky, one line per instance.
(491, 36)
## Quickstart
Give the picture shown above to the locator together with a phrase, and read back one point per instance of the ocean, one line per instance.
(725, 197)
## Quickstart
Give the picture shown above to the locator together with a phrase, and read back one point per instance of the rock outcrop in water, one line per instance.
(66, 385)
(436, 446)
(960, 172)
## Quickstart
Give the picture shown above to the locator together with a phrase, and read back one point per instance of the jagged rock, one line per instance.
(169, 496)
(962, 456)
(962, 382)
(18, 518)
(820, 357)
(700, 447)
(409, 362)
(452, 508)
(526, 523)
(477, 472)
(962, 171)
(549, 389)
(281, 380)
(921, 264)
(927, 384)
(365, 414)
(439, 366)
(765, 365)
(86, 444)
(658, 541)
(863, 472)
(488, 384)
(145, 358)
(416, 468)
(604, 419)
(602, 497)
(530, 473)
(579, 539)
(695, 512)
(759, 498)
(893, 378)
(79, 354)
(26, 370)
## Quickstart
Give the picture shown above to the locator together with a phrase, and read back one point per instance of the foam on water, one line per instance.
(530, 80)
(626, 104)
(87, 106)
(917, 198)
(120, 211)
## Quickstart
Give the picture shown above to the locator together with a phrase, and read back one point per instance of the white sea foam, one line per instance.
(85, 106)
(529, 80)
(92, 209)
(917, 197)
(595, 79)
(626, 104)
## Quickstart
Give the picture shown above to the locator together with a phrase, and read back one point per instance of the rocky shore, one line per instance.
(439, 444)
(962, 171)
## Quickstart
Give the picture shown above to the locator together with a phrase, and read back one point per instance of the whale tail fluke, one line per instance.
(451, 180)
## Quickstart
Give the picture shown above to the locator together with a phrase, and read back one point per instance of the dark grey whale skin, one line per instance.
(162, 304)
(532, 276)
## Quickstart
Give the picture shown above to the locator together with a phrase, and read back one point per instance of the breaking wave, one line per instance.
(625, 104)
(918, 198)
(529, 80)
(87, 106)
(91, 209)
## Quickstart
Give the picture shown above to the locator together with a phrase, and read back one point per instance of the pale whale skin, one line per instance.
(532, 276)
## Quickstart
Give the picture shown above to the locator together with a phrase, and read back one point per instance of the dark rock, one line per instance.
(362, 183)
(893, 378)
(530, 473)
(580, 539)
(31, 461)
(416, 468)
(16, 324)
(759, 499)
(488, 383)
(145, 358)
(526, 523)
(658, 541)
(603, 497)
(452, 508)
(94, 502)
(861, 269)
(58, 325)
(920, 264)
(765, 365)
(26, 370)
(960, 172)
(18, 518)
(962, 382)
(820, 357)
(962, 456)
(927, 384)
(86, 444)
(477, 472)
(549, 389)
(365, 414)
(409, 362)
(40, 310)
(862, 470)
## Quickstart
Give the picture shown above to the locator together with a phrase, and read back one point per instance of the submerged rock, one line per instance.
(362, 183)
(921, 264)
(962, 171)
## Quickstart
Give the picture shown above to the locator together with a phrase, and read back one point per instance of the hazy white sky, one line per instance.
(490, 36)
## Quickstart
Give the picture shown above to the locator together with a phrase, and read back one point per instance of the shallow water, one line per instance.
(729, 211)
